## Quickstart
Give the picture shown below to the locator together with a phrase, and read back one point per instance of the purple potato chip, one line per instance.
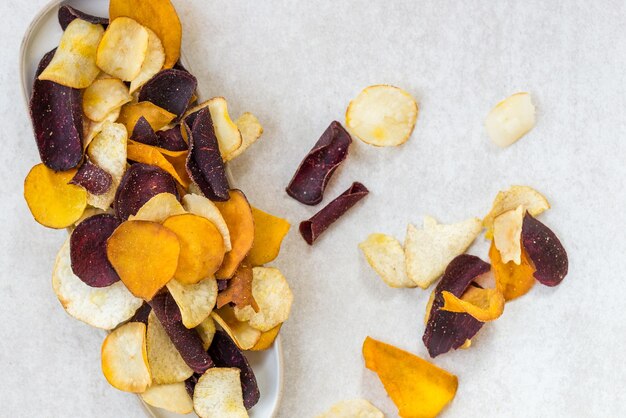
(187, 341)
(140, 183)
(225, 353)
(172, 139)
(545, 250)
(312, 228)
(57, 116)
(449, 330)
(141, 314)
(88, 250)
(205, 165)
(308, 184)
(190, 383)
(222, 284)
(67, 14)
(93, 178)
(143, 132)
(171, 90)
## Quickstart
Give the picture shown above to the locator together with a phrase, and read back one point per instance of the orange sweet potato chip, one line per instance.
(145, 256)
(418, 388)
(239, 290)
(158, 15)
(156, 116)
(512, 280)
(201, 247)
(238, 216)
(51, 199)
(269, 232)
(267, 339)
(483, 304)
(150, 155)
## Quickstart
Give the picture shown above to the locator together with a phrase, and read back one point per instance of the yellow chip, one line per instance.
(218, 393)
(206, 330)
(165, 361)
(74, 62)
(124, 358)
(150, 155)
(108, 151)
(91, 129)
(201, 206)
(158, 209)
(195, 301)
(103, 97)
(269, 232)
(244, 336)
(386, 256)
(251, 130)
(483, 304)
(172, 397)
(530, 199)
(353, 408)
(267, 339)
(157, 117)
(123, 49)
(227, 133)
(507, 234)
(155, 58)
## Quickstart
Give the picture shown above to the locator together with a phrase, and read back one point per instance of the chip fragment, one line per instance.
(353, 408)
(239, 290)
(206, 330)
(156, 116)
(507, 234)
(124, 358)
(482, 304)
(269, 231)
(150, 155)
(251, 130)
(67, 14)
(170, 89)
(91, 128)
(195, 301)
(123, 49)
(165, 361)
(267, 339)
(510, 119)
(241, 332)
(172, 397)
(512, 280)
(104, 96)
(386, 256)
(530, 199)
(218, 394)
(545, 251)
(152, 64)
(238, 216)
(92, 178)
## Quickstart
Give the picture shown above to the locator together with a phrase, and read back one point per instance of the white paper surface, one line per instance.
(296, 65)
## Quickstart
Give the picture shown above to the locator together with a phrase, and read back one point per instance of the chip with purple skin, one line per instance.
(67, 14)
(545, 251)
(141, 314)
(171, 90)
(93, 178)
(143, 132)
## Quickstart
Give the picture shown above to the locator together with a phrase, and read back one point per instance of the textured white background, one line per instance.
(555, 352)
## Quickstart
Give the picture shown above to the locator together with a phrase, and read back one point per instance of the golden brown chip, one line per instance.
(239, 290)
(267, 339)
(156, 116)
(150, 155)
(269, 232)
(483, 304)
(201, 206)
(512, 280)
(123, 49)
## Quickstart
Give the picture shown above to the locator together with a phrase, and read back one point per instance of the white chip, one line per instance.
(206, 330)
(251, 130)
(354, 408)
(218, 393)
(386, 256)
(101, 307)
(103, 97)
(507, 234)
(244, 336)
(158, 208)
(91, 129)
(195, 301)
(428, 251)
(227, 133)
(511, 119)
(124, 360)
(166, 364)
(530, 199)
(108, 151)
(123, 49)
(172, 397)
(382, 115)
(201, 206)
(155, 58)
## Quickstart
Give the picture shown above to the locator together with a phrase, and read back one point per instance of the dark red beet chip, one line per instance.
(225, 353)
(190, 383)
(141, 314)
(140, 183)
(308, 184)
(171, 90)
(67, 14)
(449, 330)
(313, 228)
(57, 116)
(205, 165)
(172, 139)
(222, 284)
(143, 132)
(545, 251)
(88, 250)
(187, 341)
(94, 179)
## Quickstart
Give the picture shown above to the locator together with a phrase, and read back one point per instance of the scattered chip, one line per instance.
(156, 116)
(124, 358)
(353, 408)
(171, 90)
(67, 14)
(155, 58)
(228, 135)
(309, 182)
(147, 154)
(92, 178)
(172, 397)
(206, 330)
(218, 394)
(237, 214)
(267, 339)
(507, 234)
(429, 250)
(386, 256)
(269, 231)
(158, 209)
(545, 251)
(201, 206)
(382, 116)
(123, 49)
(165, 361)
(483, 304)
(195, 301)
(511, 119)
(239, 290)
(251, 130)
(530, 199)
(512, 280)
(241, 332)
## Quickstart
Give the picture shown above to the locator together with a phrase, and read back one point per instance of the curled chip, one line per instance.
(150, 155)
(507, 234)
(104, 96)
(545, 250)
(251, 130)
(353, 408)
(124, 358)
(91, 129)
(92, 178)
(449, 330)
(52, 200)
(482, 304)
(108, 151)
(201, 206)
(386, 256)
(273, 295)
(171, 90)
(74, 62)
(158, 209)
(530, 199)
(204, 161)
(241, 332)
(312, 228)
(172, 397)
(140, 183)
(88, 250)
(67, 14)
(511, 119)
(239, 290)
(429, 250)
(56, 115)
(225, 353)
(152, 64)
(267, 339)
(145, 256)
(512, 280)
(237, 214)
(228, 136)
(382, 115)
(218, 394)
(104, 307)
(165, 361)
(158, 15)
(416, 386)
(195, 301)
(308, 184)
(206, 330)
(156, 116)
(269, 232)
(123, 49)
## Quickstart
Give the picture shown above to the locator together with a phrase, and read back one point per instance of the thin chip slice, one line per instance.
(124, 358)
(218, 394)
(74, 62)
(269, 231)
(155, 58)
(206, 330)
(507, 234)
(123, 49)
(267, 339)
(512, 280)
(91, 129)
(67, 14)
(353, 408)
(158, 208)
(104, 96)
(239, 290)
(92, 178)
(530, 199)
(195, 301)
(104, 307)
(52, 200)
(545, 251)
(172, 397)
(251, 130)
(429, 250)
(165, 361)
(170, 89)
(386, 256)
(382, 116)
(228, 135)
(147, 154)
(156, 116)
(201, 206)
(510, 119)
(241, 332)
(483, 304)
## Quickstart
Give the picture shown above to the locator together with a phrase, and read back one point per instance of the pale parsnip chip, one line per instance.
(206, 330)
(124, 359)
(101, 307)
(201, 206)
(382, 116)
(218, 393)
(227, 133)
(91, 129)
(428, 251)
(244, 336)
(103, 97)
(123, 49)
(155, 58)
(166, 364)
(530, 199)
(195, 301)
(74, 62)
(172, 397)
(507, 234)
(386, 256)
(251, 130)
(510, 119)
(353, 408)
(108, 151)
(158, 208)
